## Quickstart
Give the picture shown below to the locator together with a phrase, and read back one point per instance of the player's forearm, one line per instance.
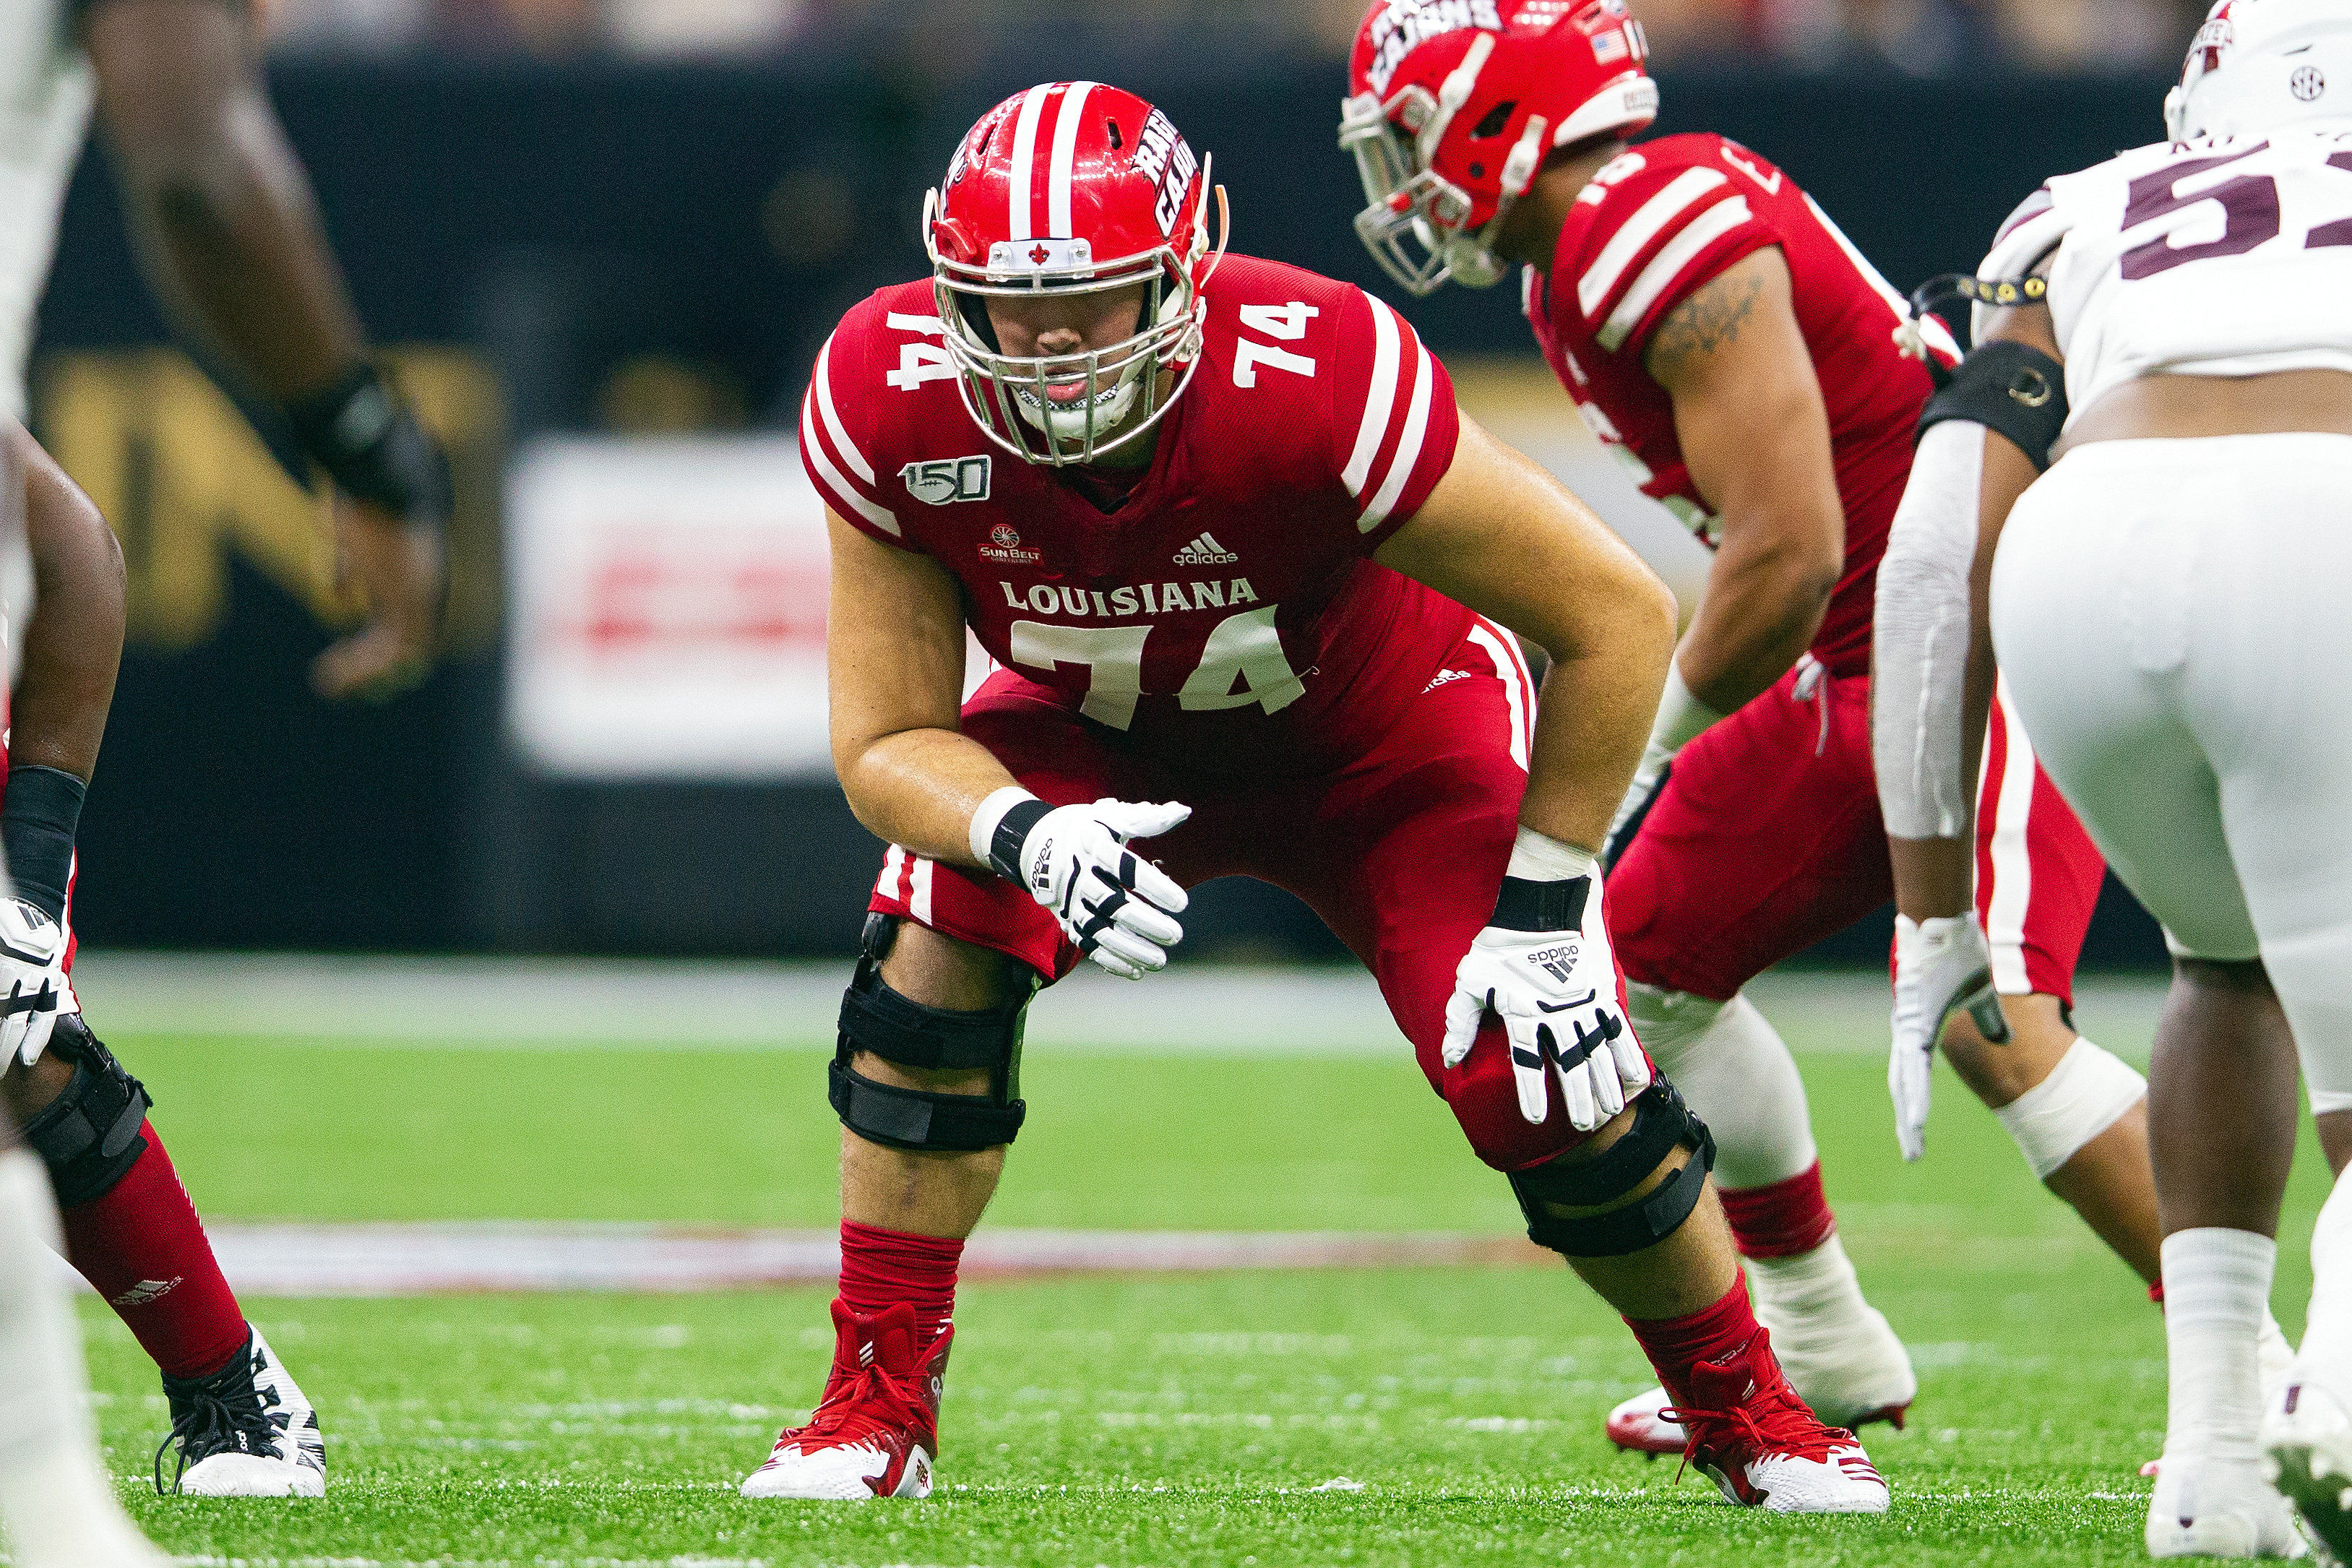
(243, 251)
(1593, 721)
(225, 210)
(1932, 678)
(73, 645)
(1763, 606)
(919, 788)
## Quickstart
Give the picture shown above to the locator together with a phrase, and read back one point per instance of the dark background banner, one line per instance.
(594, 246)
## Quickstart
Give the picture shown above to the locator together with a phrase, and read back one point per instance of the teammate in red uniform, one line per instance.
(1724, 339)
(1220, 524)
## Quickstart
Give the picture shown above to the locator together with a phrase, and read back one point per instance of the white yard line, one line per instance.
(409, 1260)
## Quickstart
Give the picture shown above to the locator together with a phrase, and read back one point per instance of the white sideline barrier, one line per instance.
(558, 1003)
(296, 1259)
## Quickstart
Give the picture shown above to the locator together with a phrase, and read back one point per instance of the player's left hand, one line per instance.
(33, 988)
(400, 565)
(1543, 966)
(1942, 966)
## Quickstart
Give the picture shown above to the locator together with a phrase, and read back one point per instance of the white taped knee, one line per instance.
(1734, 1071)
(2086, 1093)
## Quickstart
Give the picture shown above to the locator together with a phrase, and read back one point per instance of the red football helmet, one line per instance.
(1072, 188)
(1452, 109)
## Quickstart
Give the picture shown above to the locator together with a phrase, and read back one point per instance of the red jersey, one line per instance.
(1654, 225)
(1229, 608)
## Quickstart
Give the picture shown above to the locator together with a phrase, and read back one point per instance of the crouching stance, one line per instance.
(1236, 550)
(241, 1427)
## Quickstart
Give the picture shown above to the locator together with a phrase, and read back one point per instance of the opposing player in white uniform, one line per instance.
(227, 224)
(2167, 603)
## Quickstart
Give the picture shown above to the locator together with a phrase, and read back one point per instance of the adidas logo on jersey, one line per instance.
(1204, 551)
(1442, 676)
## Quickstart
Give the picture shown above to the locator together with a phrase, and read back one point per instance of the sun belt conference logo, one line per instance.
(1004, 546)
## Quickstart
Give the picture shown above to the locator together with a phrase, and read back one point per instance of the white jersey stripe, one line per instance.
(1408, 452)
(918, 897)
(2012, 867)
(1379, 404)
(1494, 640)
(1527, 681)
(892, 858)
(1024, 163)
(1593, 289)
(842, 444)
(836, 486)
(1065, 151)
(1931, 326)
(1668, 264)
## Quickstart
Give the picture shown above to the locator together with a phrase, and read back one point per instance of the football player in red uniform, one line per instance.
(1232, 548)
(1728, 342)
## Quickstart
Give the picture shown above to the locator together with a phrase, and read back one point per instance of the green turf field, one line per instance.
(1116, 1421)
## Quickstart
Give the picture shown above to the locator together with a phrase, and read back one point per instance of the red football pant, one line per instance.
(1766, 838)
(1399, 848)
(142, 1247)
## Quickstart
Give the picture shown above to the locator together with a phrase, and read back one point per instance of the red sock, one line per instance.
(142, 1248)
(2156, 1294)
(1717, 1334)
(1781, 1220)
(882, 1266)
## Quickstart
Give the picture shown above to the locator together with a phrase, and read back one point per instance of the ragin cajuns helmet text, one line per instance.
(1453, 105)
(1073, 188)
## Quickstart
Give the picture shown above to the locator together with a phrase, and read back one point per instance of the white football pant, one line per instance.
(2174, 619)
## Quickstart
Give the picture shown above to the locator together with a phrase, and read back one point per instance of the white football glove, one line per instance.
(32, 972)
(1074, 860)
(1543, 966)
(1942, 966)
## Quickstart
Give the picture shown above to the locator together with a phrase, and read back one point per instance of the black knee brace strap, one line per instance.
(88, 1135)
(1661, 1123)
(875, 1018)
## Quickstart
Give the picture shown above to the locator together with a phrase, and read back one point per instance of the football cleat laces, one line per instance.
(227, 1413)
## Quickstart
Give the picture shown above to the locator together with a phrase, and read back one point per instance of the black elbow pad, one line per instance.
(2014, 389)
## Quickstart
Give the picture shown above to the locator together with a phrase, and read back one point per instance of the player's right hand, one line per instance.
(32, 979)
(1116, 905)
(1942, 966)
(400, 565)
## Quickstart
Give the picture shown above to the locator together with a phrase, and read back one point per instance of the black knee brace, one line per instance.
(875, 1018)
(88, 1135)
(1661, 1123)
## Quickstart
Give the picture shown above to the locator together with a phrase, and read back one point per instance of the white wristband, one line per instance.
(1539, 858)
(1681, 715)
(991, 811)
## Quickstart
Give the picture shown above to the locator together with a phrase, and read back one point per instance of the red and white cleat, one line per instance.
(877, 1429)
(1755, 1439)
(1639, 1426)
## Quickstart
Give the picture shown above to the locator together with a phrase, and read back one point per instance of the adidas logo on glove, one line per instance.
(1204, 551)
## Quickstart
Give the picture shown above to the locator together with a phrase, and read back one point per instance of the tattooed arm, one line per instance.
(1750, 417)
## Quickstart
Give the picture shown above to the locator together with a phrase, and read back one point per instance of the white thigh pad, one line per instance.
(1736, 1074)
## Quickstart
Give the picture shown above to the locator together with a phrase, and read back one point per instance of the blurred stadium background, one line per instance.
(608, 236)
